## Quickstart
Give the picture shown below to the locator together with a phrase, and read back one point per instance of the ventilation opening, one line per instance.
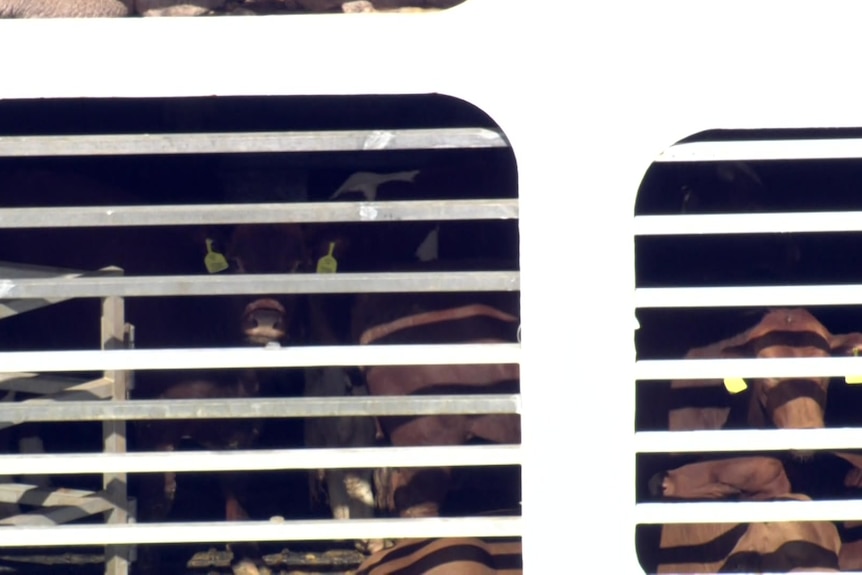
(744, 249)
(383, 184)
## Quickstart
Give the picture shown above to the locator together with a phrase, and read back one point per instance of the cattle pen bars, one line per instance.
(749, 296)
(115, 463)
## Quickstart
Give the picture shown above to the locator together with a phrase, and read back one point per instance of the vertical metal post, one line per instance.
(114, 433)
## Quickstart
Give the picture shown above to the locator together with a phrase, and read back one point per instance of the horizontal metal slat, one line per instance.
(269, 213)
(260, 459)
(663, 369)
(749, 223)
(753, 150)
(251, 142)
(273, 530)
(193, 285)
(307, 356)
(760, 296)
(731, 440)
(257, 407)
(748, 511)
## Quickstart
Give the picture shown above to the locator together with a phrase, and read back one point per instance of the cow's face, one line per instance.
(793, 403)
(262, 249)
(788, 403)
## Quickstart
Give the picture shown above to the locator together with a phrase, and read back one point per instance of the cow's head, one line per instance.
(782, 402)
(262, 249)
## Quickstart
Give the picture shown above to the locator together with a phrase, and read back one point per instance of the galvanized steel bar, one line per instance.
(260, 459)
(251, 142)
(749, 296)
(310, 356)
(276, 529)
(267, 213)
(192, 285)
(257, 407)
(11, 307)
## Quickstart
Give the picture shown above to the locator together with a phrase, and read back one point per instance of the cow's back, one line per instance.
(750, 547)
(446, 556)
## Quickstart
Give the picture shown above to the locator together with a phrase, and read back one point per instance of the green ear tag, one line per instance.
(214, 261)
(735, 384)
(327, 264)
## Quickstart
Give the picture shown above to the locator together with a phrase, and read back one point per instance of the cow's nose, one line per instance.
(266, 319)
(264, 322)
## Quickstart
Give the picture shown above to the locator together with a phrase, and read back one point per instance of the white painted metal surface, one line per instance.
(589, 94)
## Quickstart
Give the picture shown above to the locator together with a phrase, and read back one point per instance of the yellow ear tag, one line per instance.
(735, 384)
(214, 261)
(854, 379)
(327, 264)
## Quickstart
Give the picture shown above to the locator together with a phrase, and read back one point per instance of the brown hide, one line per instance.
(752, 478)
(446, 556)
(707, 548)
(782, 402)
(755, 547)
(851, 547)
(417, 491)
(158, 491)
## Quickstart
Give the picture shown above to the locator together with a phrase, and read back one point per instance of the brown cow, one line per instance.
(381, 319)
(447, 556)
(782, 402)
(210, 434)
(158, 491)
(325, 321)
(262, 320)
(752, 478)
(755, 547)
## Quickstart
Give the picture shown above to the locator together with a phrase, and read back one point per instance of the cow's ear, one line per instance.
(848, 344)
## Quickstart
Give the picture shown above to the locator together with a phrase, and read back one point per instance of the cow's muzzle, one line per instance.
(264, 321)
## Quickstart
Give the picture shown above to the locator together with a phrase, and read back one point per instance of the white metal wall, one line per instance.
(589, 94)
